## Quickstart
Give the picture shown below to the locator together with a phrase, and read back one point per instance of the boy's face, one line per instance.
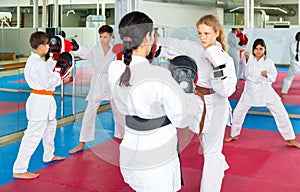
(43, 48)
(105, 38)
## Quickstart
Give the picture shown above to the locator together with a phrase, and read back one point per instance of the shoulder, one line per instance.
(117, 64)
(115, 70)
(269, 60)
(160, 70)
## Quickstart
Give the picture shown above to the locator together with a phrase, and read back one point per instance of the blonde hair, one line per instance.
(213, 22)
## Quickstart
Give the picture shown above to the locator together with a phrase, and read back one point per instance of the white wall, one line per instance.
(277, 40)
(181, 17)
(6, 3)
(17, 40)
(176, 15)
(85, 36)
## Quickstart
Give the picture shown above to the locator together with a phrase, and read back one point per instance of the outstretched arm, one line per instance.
(223, 78)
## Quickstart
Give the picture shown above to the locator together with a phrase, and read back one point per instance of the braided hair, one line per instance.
(133, 27)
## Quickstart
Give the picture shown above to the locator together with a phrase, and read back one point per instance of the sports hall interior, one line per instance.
(259, 161)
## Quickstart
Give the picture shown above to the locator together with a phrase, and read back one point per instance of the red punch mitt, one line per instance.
(117, 49)
(64, 65)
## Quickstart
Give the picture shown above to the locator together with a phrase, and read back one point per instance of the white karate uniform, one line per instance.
(218, 110)
(294, 67)
(234, 51)
(98, 92)
(40, 111)
(258, 92)
(148, 159)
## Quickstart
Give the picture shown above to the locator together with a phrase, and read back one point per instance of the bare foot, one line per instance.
(26, 175)
(230, 138)
(293, 143)
(55, 158)
(78, 148)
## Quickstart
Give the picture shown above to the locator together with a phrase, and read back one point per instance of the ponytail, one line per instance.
(133, 28)
(297, 37)
(222, 38)
(125, 77)
(297, 51)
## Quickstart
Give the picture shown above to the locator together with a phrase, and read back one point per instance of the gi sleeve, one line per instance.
(271, 72)
(226, 86)
(83, 51)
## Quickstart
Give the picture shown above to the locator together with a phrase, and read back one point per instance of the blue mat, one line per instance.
(66, 138)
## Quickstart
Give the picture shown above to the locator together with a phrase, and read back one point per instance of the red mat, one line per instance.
(260, 161)
(83, 76)
(11, 107)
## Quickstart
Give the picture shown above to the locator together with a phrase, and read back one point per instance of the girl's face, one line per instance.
(206, 35)
(259, 51)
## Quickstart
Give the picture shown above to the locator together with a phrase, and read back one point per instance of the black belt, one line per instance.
(140, 124)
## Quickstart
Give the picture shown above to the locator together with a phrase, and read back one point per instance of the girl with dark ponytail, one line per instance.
(154, 105)
(132, 30)
(294, 65)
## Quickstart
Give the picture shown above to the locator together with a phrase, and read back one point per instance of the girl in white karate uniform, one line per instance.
(216, 82)
(260, 74)
(148, 152)
(294, 66)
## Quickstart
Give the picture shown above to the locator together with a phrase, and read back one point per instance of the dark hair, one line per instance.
(297, 37)
(133, 27)
(38, 38)
(105, 28)
(259, 42)
(62, 33)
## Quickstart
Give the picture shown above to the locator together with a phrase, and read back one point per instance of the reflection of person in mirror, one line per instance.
(99, 56)
(243, 42)
(234, 48)
(294, 65)
(260, 74)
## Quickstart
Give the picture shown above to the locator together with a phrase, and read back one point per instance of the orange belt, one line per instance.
(42, 92)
